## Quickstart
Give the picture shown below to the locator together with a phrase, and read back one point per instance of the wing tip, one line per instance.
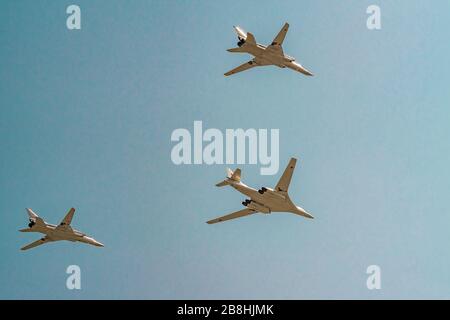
(293, 161)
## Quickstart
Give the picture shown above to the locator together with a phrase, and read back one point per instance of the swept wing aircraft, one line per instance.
(272, 54)
(52, 232)
(264, 200)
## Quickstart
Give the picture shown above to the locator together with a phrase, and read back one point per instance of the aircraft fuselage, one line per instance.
(266, 55)
(273, 55)
(69, 234)
(269, 201)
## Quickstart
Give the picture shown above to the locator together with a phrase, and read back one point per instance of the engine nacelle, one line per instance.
(241, 42)
(31, 224)
(258, 207)
(271, 193)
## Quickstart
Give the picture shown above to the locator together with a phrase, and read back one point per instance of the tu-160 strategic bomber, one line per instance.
(264, 200)
(264, 55)
(52, 232)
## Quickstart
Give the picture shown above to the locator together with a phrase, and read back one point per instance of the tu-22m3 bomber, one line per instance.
(52, 232)
(272, 54)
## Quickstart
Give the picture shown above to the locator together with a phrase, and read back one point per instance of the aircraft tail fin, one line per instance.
(31, 214)
(250, 39)
(236, 175)
(244, 38)
(34, 218)
(233, 176)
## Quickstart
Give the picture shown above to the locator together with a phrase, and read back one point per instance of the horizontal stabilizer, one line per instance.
(236, 50)
(231, 176)
(222, 183)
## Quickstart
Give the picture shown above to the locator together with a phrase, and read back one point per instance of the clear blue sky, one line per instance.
(86, 118)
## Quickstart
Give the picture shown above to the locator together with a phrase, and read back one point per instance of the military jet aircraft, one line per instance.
(264, 200)
(52, 232)
(264, 55)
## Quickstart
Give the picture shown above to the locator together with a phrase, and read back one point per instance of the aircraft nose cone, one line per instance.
(93, 242)
(98, 244)
(305, 213)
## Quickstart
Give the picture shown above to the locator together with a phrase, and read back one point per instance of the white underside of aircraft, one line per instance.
(265, 55)
(264, 200)
(52, 232)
